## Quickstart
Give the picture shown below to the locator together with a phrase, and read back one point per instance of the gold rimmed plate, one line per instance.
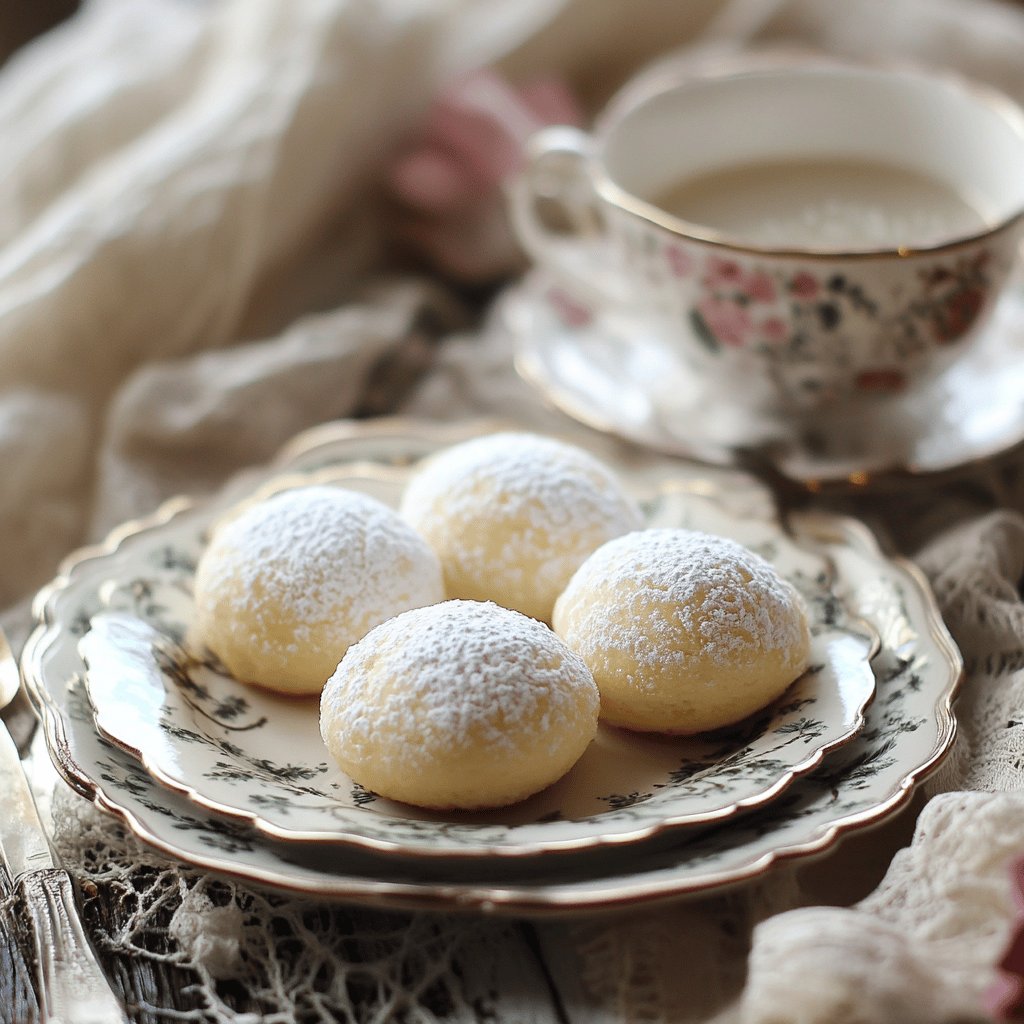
(256, 756)
(907, 732)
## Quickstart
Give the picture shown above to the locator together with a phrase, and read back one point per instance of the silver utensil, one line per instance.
(70, 985)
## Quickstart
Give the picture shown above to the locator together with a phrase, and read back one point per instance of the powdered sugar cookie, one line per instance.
(460, 705)
(684, 631)
(512, 516)
(288, 584)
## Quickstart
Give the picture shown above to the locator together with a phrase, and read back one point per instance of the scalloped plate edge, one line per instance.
(508, 899)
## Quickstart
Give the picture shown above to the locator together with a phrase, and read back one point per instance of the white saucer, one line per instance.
(613, 372)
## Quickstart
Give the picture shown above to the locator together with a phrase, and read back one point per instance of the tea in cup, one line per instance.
(800, 235)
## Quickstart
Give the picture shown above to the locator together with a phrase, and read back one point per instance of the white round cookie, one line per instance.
(512, 516)
(286, 585)
(684, 631)
(458, 706)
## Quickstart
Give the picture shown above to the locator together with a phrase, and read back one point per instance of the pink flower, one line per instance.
(446, 182)
(759, 287)
(804, 286)
(954, 318)
(727, 321)
(723, 272)
(679, 260)
(473, 139)
(774, 329)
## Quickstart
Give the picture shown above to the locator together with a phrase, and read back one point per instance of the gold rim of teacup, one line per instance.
(662, 80)
(688, 231)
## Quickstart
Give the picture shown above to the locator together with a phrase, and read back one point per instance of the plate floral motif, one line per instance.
(909, 728)
(251, 754)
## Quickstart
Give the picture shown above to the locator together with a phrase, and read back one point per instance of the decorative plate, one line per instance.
(615, 374)
(253, 755)
(908, 729)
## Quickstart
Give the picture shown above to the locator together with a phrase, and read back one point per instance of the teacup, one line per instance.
(801, 234)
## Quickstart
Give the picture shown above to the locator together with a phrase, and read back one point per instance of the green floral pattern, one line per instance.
(237, 749)
(908, 728)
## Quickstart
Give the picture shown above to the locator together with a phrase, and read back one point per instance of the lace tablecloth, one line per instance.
(186, 245)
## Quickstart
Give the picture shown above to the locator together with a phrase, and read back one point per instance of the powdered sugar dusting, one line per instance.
(688, 596)
(456, 673)
(516, 514)
(316, 559)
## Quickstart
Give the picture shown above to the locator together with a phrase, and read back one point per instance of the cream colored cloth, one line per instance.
(193, 267)
(181, 178)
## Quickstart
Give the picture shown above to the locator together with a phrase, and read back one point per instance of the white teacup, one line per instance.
(804, 234)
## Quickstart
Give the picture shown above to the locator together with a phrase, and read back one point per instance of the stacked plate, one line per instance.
(236, 780)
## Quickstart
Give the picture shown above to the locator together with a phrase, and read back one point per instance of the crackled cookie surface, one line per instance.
(288, 584)
(460, 705)
(684, 631)
(512, 516)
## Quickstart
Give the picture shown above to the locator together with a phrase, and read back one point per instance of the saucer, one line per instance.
(613, 372)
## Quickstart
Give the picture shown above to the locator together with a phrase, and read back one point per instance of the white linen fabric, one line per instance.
(194, 266)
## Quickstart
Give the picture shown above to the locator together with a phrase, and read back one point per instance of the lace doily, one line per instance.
(210, 950)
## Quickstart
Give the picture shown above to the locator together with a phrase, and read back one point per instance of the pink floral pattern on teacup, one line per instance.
(722, 273)
(958, 296)
(759, 287)
(783, 314)
(723, 321)
(680, 262)
(774, 329)
(804, 286)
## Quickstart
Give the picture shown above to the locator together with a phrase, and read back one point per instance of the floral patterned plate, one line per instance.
(250, 754)
(909, 728)
(615, 374)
